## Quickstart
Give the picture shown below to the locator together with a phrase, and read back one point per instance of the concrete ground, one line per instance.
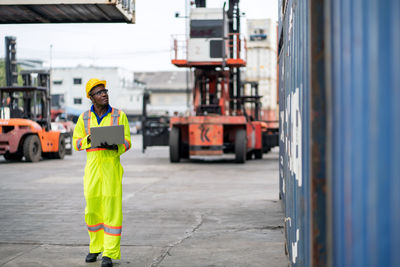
(194, 213)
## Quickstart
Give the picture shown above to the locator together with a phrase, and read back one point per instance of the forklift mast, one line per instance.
(235, 79)
(214, 71)
(11, 61)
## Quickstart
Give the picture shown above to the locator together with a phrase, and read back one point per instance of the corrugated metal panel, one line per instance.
(294, 90)
(67, 11)
(365, 138)
(261, 67)
(261, 64)
(355, 127)
(261, 49)
(267, 88)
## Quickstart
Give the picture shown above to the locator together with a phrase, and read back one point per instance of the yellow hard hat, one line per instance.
(92, 83)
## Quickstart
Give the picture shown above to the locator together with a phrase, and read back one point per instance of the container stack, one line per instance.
(261, 63)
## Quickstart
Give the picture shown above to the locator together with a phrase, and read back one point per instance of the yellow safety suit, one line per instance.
(103, 183)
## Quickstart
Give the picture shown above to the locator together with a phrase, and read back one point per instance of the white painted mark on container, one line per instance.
(287, 140)
(282, 114)
(295, 246)
(294, 149)
(288, 219)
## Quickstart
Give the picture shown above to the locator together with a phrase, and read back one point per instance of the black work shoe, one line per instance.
(92, 257)
(106, 262)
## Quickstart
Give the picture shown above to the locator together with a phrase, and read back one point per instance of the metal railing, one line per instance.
(128, 5)
(179, 47)
(237, 46)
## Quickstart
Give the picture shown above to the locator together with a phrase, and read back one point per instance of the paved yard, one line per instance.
(194, 213)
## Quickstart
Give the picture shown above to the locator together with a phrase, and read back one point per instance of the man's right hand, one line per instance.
(88, 139)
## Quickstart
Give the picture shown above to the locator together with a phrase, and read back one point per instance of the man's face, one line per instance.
(99, 95)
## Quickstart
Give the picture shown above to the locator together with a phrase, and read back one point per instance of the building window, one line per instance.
(77, 80)
(78, 101)
(59, 82)
(57, 101)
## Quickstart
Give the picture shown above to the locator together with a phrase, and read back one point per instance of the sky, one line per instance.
(144, 46)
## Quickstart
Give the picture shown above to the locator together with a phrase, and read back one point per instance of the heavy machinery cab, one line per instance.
(25, 122)
(25, 128)
(212, 41)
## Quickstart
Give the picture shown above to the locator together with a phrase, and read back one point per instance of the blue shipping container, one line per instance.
(364, 40)
(339, 92)
(294, 89)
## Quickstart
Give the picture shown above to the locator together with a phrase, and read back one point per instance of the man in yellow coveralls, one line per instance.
(103, 174)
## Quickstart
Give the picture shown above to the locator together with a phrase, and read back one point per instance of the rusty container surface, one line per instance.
(339, 94)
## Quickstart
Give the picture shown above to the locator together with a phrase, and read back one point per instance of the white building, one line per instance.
(170, 91)
(68, 88)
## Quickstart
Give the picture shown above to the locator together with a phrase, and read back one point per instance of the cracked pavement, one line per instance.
(195, 213)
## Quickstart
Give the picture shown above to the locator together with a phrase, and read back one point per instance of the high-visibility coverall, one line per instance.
(103, 183)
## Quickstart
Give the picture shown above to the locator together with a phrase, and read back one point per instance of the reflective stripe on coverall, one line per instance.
(103, 183)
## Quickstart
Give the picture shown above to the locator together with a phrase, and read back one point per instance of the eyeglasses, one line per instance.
(105, 91)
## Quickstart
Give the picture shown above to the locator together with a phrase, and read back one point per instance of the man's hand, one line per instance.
(107, 146)
(88, 139)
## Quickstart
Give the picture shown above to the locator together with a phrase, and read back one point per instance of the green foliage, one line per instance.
(20, 81)
(3, 74)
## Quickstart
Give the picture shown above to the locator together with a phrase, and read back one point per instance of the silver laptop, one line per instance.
(112, 135)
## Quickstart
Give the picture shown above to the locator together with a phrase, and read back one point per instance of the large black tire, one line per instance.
(61, 148)
(13, 156)
(240, 146)
(258, 154)
(32, 148)
(174, 145)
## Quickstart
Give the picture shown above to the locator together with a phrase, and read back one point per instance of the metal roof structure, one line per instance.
(66, 11)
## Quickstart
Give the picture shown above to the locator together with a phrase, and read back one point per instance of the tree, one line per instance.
(3, 74)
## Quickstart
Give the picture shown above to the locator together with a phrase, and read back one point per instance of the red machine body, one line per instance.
(207, 135)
